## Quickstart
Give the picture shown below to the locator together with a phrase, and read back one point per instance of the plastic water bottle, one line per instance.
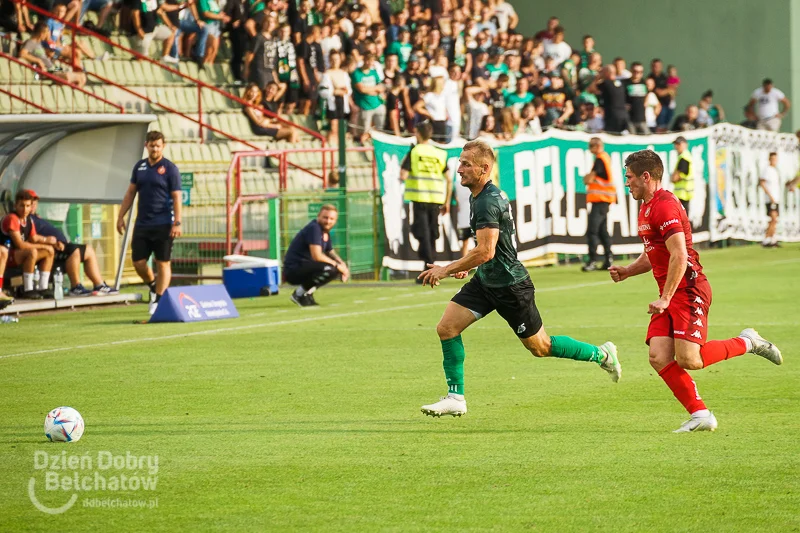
(58, 285)
(5, 319)
(35, 277)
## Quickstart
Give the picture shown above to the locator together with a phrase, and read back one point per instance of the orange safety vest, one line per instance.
(602, 190)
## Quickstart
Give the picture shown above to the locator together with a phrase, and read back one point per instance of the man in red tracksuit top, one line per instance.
(679, 322)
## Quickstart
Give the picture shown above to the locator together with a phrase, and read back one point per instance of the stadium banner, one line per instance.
(543, 179)
(196, 303)
(738, 206)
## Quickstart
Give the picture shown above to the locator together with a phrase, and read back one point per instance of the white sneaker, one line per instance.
(170, 59)
(762, 346)
(611, 364)
(698, 423)
(153, 306)
(449, 405)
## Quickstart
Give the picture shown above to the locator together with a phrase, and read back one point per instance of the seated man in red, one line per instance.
(72, 255)
(26, 248)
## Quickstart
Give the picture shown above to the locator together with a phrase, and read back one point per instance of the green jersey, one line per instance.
(490, 209)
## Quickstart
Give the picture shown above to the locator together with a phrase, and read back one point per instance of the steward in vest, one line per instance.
(600, 194)
(683, 175)
(427, 188)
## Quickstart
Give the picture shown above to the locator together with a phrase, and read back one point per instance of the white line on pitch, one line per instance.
(264, 325)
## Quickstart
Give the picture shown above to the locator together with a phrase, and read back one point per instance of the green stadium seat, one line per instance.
(5, 104)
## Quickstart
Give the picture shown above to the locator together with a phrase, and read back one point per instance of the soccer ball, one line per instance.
(63, 424)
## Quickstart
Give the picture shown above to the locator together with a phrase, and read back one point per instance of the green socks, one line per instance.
(568, 348)
(453, 363)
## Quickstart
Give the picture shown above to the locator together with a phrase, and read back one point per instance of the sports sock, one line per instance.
(453, 364)
(44, 280)
(1, 283)
(682, 386)
(716, 351)
(27, 281)
(568, 348)
(152, 286)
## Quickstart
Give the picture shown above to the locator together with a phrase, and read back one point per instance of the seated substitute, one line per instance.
(310, 261)
(72, 256)
(27, 248)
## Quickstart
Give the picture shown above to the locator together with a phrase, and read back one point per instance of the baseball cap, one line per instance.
(33, 193)
(679, 139)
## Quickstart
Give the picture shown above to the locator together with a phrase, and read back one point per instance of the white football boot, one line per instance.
(153, 306)
(698, 423)
(611, 364)
(449, 405)
(762, 346)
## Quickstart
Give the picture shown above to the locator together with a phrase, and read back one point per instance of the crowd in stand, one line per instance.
(387, 64)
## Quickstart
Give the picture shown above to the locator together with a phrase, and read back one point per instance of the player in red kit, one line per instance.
(679, 321)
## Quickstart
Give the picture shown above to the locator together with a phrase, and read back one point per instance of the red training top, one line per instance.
(11, 222)
(659, 219)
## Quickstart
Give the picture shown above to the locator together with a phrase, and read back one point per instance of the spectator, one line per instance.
(71, 53)
(765, 103)
(237, 32)
(664, 94)
(337, 91)
(191, 25)
(530, 120)
(497, 67)
(652, 107)
(72, 255)
(508, 125)
(486, 24)
(453, 88)
(147, 28)
(506, 16)
(433, 106)
(709, 113)
(101, 7)
(558, 103)
(588, 73)
(547, 33)
(310, 261)
(330, 41)
(273, 97)
(287, 67)
(488, 127)
(395, 110)
(368, 96)
(310, 67)
(569, 70)
(588, 50)
(263, 67)
(391, 70)
(613, 95)
(476, 110)
(770, 182)
(622, 69)
(33, 52)
(15, 18)
(518, 99)
(636, 95)
(260, 124)
(688, 120)
(26, 248)
(557, 48)
(402, 48)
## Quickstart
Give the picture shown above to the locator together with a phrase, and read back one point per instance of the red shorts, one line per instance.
(686, 317)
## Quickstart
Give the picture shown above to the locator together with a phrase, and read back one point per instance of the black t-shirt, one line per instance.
(447, 44)
(636, 94)
(300, 26)
(599, 169)
(661, 83)
(496, 101)
(299, 253)
(393, 102)
(174, 16)
(414, 82)
(614, 96)
(683, 166)
(155, 185)
(480, 72)
(682, 123)
(311, 54)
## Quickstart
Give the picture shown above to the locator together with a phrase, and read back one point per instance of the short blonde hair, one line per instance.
(328, 207)
(482, 152)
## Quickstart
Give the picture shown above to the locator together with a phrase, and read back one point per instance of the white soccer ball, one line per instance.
(63, 424)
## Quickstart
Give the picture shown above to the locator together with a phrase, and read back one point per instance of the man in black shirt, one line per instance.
(310, 66)
(636, 93)
(310, 261)
(688, 120)
(664, 94)
(480, 74)
(558, 103)
(614, 100)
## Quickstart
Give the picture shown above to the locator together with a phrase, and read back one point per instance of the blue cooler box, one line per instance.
(251, 276)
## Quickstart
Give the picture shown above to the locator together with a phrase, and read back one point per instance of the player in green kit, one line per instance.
(500, 283)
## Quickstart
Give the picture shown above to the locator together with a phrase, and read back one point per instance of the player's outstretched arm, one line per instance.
(640, 266)
(487, 241)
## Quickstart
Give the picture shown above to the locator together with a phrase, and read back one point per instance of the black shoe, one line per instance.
(48, 294)
(606, 265)
(589, 267)
(32, 295)
(310, 301)
(299, 300)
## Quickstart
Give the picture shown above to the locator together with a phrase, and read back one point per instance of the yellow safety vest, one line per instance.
(684, 187)
(426, 182)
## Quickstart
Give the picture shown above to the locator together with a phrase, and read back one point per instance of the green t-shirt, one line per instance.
(402, 51)
(208, 5)
(495, 70)
(518, 102)
(256, 6)
(367, 102)
(490, 209)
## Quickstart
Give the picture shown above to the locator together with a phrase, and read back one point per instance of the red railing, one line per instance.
(200, 84)
(25, 101)
(59, 81)
(234, 177)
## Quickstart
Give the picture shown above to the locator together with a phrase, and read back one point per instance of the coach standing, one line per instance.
(157, 181)
(600, 193)
(428, 189)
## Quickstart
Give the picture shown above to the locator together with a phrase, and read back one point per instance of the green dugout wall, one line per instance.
(725, 45)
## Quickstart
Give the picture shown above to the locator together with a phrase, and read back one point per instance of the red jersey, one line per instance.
(11, 222)
(659, 219)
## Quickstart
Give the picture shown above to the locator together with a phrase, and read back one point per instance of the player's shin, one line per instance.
(716, 351)
(453, 363)
(683, 387)
(568, 348)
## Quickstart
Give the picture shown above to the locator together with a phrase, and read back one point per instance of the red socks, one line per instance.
(716, 351)
(682, 386)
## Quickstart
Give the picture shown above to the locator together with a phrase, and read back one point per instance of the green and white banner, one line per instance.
(543, 178)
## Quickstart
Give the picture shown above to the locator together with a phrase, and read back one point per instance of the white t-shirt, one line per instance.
(504, 12)
(560, 51)
(767, 102)
(453, 104)
(477, 110)
(650, 103)
(772, 181)
(436, 105)
(534, 127)
(437, 71)
(334, 42)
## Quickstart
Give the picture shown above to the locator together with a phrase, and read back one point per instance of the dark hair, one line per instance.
(773, 153)
(153, 136)
(41, 25)
(619, 59)
(636, 64)
(645, 161)
(708, 94)
(655, 60)
(23, 195)
(587, 36)
(425, 130)
(766, 81)
(558, 29)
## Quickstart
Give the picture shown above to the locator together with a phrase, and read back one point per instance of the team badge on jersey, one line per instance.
(647, 212)
(162, 170)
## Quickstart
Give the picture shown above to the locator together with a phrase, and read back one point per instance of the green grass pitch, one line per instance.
(308, 419)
